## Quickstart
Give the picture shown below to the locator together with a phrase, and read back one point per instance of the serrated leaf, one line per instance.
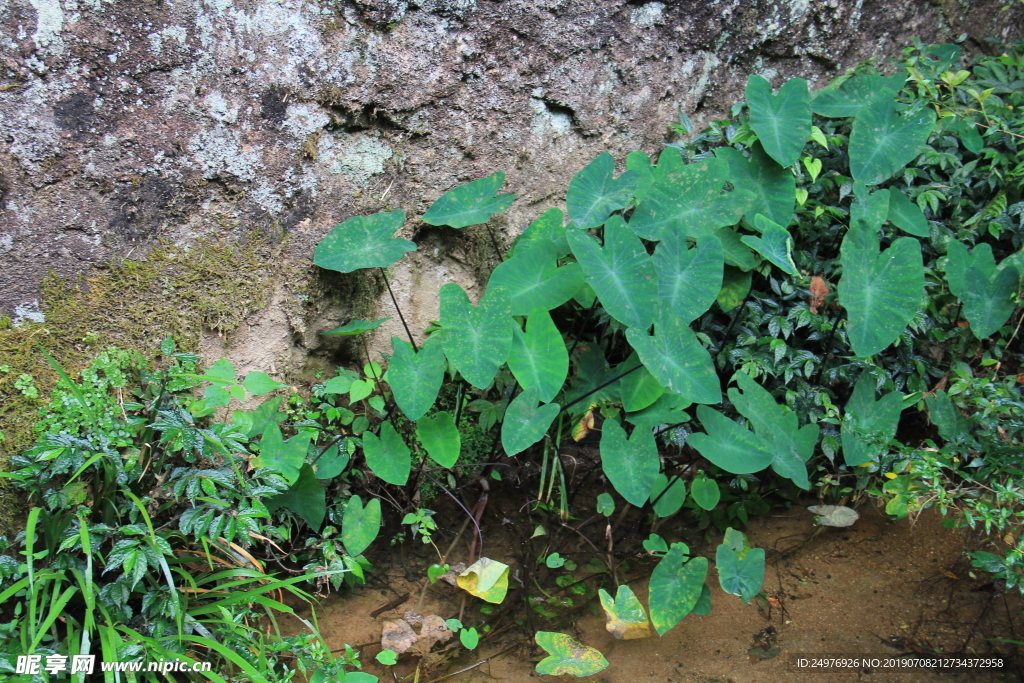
(881, 292)
(689, 200)
(305, 497)
(625, 617)
(621, 272)
(730, 446)
(705, 492)
(775, 244)
(356, 327)
(906, 215)
(254, 422)
(566, 656)
(677, 360)
(688, 279)
(594, 194)
(773, 186)
(470, 204)
(360, 525)
(486, 579)
(987, 291)
(363, 242)
(222, 370)
(847, 98)
(782, 122)
(534, 278)
(549, 226)
(740, 570)
(259, 383)
(284, 456)
(415, 377)
(477, 339)
(869, 425)
(671, 500)
(675, 587)
(387, 455)
(632, 464)
(440, 437)
(525, 422)
(539, 357)
(883, 141)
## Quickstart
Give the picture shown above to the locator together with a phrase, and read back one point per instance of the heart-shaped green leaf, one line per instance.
(284, 456)
(868, 210)
(688, 279)
(525, 422)
(735, 287)
(668, 409)
(334, 460)
(357, 327)
(594, 194)
(774, 244)
(549, 226)
(782, 122)
(730, 446)
(869, 425)
(881, 292)
(534, 278)
(566, 656)
(470, 204)
(740, 567)
(254, 422)
(638, 389)
(883, 141)
(621, 272)
(360, 389)
(476, 339)
(539, 357)
(305, 497)
(632, 464)
(360, 525)
(675, 587)
(259, 383)
(677, 360)
(363, 242)
(773, 186)
(388, 456)
(848, 96)
(705, 492)
(625, 616)
(950, 422)
(440, 437)
(988, 291)
(906, 215)
(415, 377)
(689, 200)
(671, 500)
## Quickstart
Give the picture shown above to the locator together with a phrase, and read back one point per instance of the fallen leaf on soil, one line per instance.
(486, 579)
(834, 515)
(819, 290)
(434, 631)
(397, 635)
(452, 575)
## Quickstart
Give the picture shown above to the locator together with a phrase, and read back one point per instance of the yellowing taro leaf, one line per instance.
(486, 579)
(626, 618)
(567, 656)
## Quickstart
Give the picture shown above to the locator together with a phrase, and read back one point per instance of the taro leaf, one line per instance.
(334, 460)
(363, 242)
(735, 287)
(259, 383)
(539, 357)
(535, 281)
(357, 327)
(688, 279)
(591, 371)
(730, 446)
(621, 272)
(669, 160)
(906, 215)
(945, 416)
(848, 97)
(305, 497)
(703, 606)
(470, 204)
(625, 617)
(774, 186)
(605, 504)
(284, 456)
(675, 587)
(632, 464)
(774, 244)
(593, 194)
(736, 253)
(388, 456)
(882, 141)
(987, 291)
(440, 437)
(869, 210)
(566, 656)
(671, 500)
(655, 544)
(782, 122)
(705, 492)
(677, 360)
(881, 292)
(486, 579)
(477, 340)
(834, 515)
(689, 200)
(525, 422)
(256, 421)
(668, 409)
(360, 525)
(740, 567)
(549, 226)
(869, 425)
(638, 389)
(415, 377)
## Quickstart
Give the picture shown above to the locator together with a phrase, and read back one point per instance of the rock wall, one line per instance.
(124, 123)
